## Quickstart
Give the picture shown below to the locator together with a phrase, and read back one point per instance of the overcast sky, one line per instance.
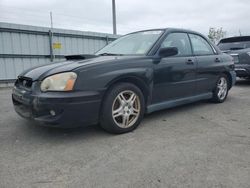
(132, 15)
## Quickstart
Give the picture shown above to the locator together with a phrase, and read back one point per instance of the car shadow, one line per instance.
(35, 131)
(242, 82)
(51, 134)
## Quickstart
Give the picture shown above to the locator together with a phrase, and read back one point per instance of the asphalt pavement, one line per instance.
(201, 145)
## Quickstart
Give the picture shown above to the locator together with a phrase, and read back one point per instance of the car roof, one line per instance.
(169, 29)
(235, 39)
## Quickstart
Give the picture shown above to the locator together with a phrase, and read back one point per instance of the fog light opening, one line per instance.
(52, 112)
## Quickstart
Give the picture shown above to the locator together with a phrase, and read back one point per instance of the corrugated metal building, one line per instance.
(22, 46)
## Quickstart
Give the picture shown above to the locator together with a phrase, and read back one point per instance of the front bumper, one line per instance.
(242, 70)
(58, 109)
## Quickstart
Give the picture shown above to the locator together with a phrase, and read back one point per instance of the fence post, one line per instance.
(51, 46)
(107, 40)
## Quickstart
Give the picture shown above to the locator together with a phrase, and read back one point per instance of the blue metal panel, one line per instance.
(2, 69)
(23, 47)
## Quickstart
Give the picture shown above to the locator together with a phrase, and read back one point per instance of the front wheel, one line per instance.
(123, 108)
(221, 90)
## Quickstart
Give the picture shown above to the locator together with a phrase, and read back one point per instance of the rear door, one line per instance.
(208, 66)
(174, 76)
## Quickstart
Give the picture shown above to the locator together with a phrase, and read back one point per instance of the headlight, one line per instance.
(59, 82)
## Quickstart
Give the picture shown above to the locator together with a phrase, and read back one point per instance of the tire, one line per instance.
(221, 89)
(123, 108)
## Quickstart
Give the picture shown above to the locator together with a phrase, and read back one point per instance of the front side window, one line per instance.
(138, 43)
(180, 41)
(200, 45)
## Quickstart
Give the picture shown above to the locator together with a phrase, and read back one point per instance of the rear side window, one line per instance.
(200, 45)
(180, 41)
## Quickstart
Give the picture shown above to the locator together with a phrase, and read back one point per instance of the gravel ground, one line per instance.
(199, 145)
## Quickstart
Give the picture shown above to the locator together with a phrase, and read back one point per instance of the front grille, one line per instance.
(24, 82)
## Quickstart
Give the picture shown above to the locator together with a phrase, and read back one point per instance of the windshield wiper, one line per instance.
(110, 54)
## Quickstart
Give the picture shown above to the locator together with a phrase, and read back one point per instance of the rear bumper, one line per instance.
(58, 109)
(242, 70)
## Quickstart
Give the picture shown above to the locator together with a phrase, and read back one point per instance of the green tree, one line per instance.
(216, 34)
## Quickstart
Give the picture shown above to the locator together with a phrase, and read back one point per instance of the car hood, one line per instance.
(40, 72)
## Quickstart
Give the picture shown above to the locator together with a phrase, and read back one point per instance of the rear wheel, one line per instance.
(123, 108)
(221, 89)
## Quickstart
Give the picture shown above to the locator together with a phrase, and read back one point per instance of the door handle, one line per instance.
(217, 60)
(189, 62)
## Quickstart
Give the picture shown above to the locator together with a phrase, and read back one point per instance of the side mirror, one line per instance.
(167, 52)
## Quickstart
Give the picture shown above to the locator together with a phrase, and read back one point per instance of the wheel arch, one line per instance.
(229, 79)
(137, 81)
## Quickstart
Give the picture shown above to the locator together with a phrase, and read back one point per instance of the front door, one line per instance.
(174, 77)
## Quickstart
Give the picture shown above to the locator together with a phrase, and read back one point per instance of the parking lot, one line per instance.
(197, 145)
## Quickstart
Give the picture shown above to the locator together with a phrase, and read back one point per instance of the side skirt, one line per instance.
(178, 102)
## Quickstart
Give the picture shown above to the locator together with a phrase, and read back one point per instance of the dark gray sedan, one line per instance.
(139, 73)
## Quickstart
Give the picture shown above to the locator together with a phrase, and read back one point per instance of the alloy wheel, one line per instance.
(222, 88)
(126, 109)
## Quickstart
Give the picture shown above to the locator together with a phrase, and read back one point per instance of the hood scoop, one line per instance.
(80, 57)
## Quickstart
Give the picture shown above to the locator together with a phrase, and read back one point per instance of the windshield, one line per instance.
(138, 43)
(234, 45)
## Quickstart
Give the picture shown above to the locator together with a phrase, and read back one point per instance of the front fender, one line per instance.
(101, 79)
(142, 74)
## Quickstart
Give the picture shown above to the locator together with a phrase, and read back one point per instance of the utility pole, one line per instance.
(52, 57)
(114, 17)
(51, 20)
